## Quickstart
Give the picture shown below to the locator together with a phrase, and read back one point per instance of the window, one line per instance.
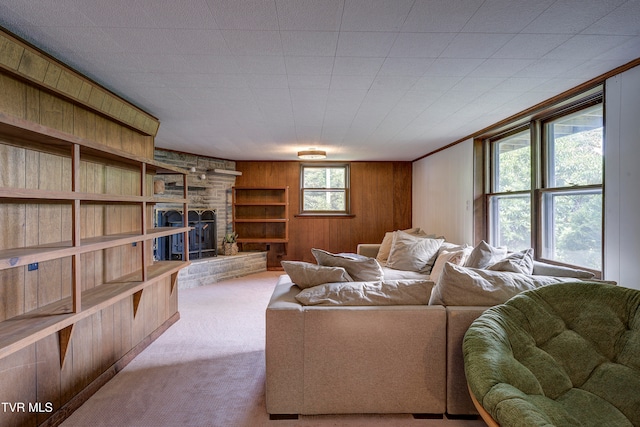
(510, 199)
(324, 189)
(571, 202)
(545, 182)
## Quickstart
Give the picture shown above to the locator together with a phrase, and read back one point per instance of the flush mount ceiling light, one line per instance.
(312, 154)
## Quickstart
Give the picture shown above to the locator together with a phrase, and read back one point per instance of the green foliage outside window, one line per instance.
(324, 189)
(571, 209)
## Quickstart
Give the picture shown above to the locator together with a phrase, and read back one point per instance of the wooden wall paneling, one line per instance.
(403, 185)
(32, 107)
(48, 373)
(12, 96)
(126, 318)
(15, 368)
(107, 349)
(56, 113)
(81, 345)
(138, 330)
(113, 220)
(381, 202)
(98, 341)
(12, 173)
(12, 292)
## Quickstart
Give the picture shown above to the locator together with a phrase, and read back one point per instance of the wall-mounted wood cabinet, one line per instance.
(261, 214)
(76, 231)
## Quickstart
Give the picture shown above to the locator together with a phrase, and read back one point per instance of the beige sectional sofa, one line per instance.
(340, 359)
(346, 359)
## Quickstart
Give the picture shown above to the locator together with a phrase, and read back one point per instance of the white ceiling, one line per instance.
(362, 79)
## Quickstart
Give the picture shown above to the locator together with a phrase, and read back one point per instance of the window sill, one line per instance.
(324, 215)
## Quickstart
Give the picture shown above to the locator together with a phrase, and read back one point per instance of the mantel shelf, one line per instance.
(23, 256)
(19, 332)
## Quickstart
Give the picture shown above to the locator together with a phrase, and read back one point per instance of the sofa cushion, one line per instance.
(459, 285)
(391, 274)
(413, 253)
(457, 257)
(517, 262)
(483, 255)
(387, 241)
(362, 269)
(387, 292)
(544, 269)
(306, 274)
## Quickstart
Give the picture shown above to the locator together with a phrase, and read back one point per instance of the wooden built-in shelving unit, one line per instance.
(127, 256)
(261, 214)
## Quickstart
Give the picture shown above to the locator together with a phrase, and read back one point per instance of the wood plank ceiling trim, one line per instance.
(25, 61)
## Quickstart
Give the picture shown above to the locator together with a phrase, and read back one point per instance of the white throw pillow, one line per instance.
(483, 255)
(361, 269)
(387, 241)
(413, 253)
(388, 292)
(306, 274)
(544, 269)
(457, 257)
(517, 262)
(459, 285)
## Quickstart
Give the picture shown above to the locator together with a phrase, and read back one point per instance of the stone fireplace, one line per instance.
(208, 190)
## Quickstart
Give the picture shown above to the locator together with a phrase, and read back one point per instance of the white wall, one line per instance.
(443, 193)
(622, 179)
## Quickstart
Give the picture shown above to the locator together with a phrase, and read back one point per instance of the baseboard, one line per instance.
(79, 399)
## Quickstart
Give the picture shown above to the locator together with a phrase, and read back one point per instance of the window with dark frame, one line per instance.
(545, 186)
(324, 189)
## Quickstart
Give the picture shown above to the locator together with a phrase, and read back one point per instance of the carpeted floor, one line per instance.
(208, 370)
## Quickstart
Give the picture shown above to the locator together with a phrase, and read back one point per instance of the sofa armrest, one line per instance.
(284, 350)
(368, 249)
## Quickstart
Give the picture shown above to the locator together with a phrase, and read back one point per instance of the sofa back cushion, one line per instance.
(360, 269)
(306, 274)
(413, 253)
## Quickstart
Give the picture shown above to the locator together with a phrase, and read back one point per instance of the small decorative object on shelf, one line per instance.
(230, 243)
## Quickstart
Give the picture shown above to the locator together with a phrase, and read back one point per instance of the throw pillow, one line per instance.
(388, 292)
(362, 269)
(457, 257)
(459, 285)
(306, 275)
(544, 269)
(385, 246)
(484, 255)
(413, 253)
(517, 262)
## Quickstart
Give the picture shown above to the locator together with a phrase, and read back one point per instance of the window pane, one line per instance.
(573, 228)
(511, 222)
(324, 201)
(512, 167)
(575, 149)
(324, 177)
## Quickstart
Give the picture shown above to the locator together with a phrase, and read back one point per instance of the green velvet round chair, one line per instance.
(566, 354)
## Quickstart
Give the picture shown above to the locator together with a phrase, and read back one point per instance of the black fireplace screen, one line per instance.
(202, 236)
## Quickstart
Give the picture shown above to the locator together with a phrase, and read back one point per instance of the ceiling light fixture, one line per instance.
(312, 154)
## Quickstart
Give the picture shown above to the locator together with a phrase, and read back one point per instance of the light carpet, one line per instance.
(208, 370)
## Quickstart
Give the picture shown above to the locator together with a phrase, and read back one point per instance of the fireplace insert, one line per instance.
(202, 236)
